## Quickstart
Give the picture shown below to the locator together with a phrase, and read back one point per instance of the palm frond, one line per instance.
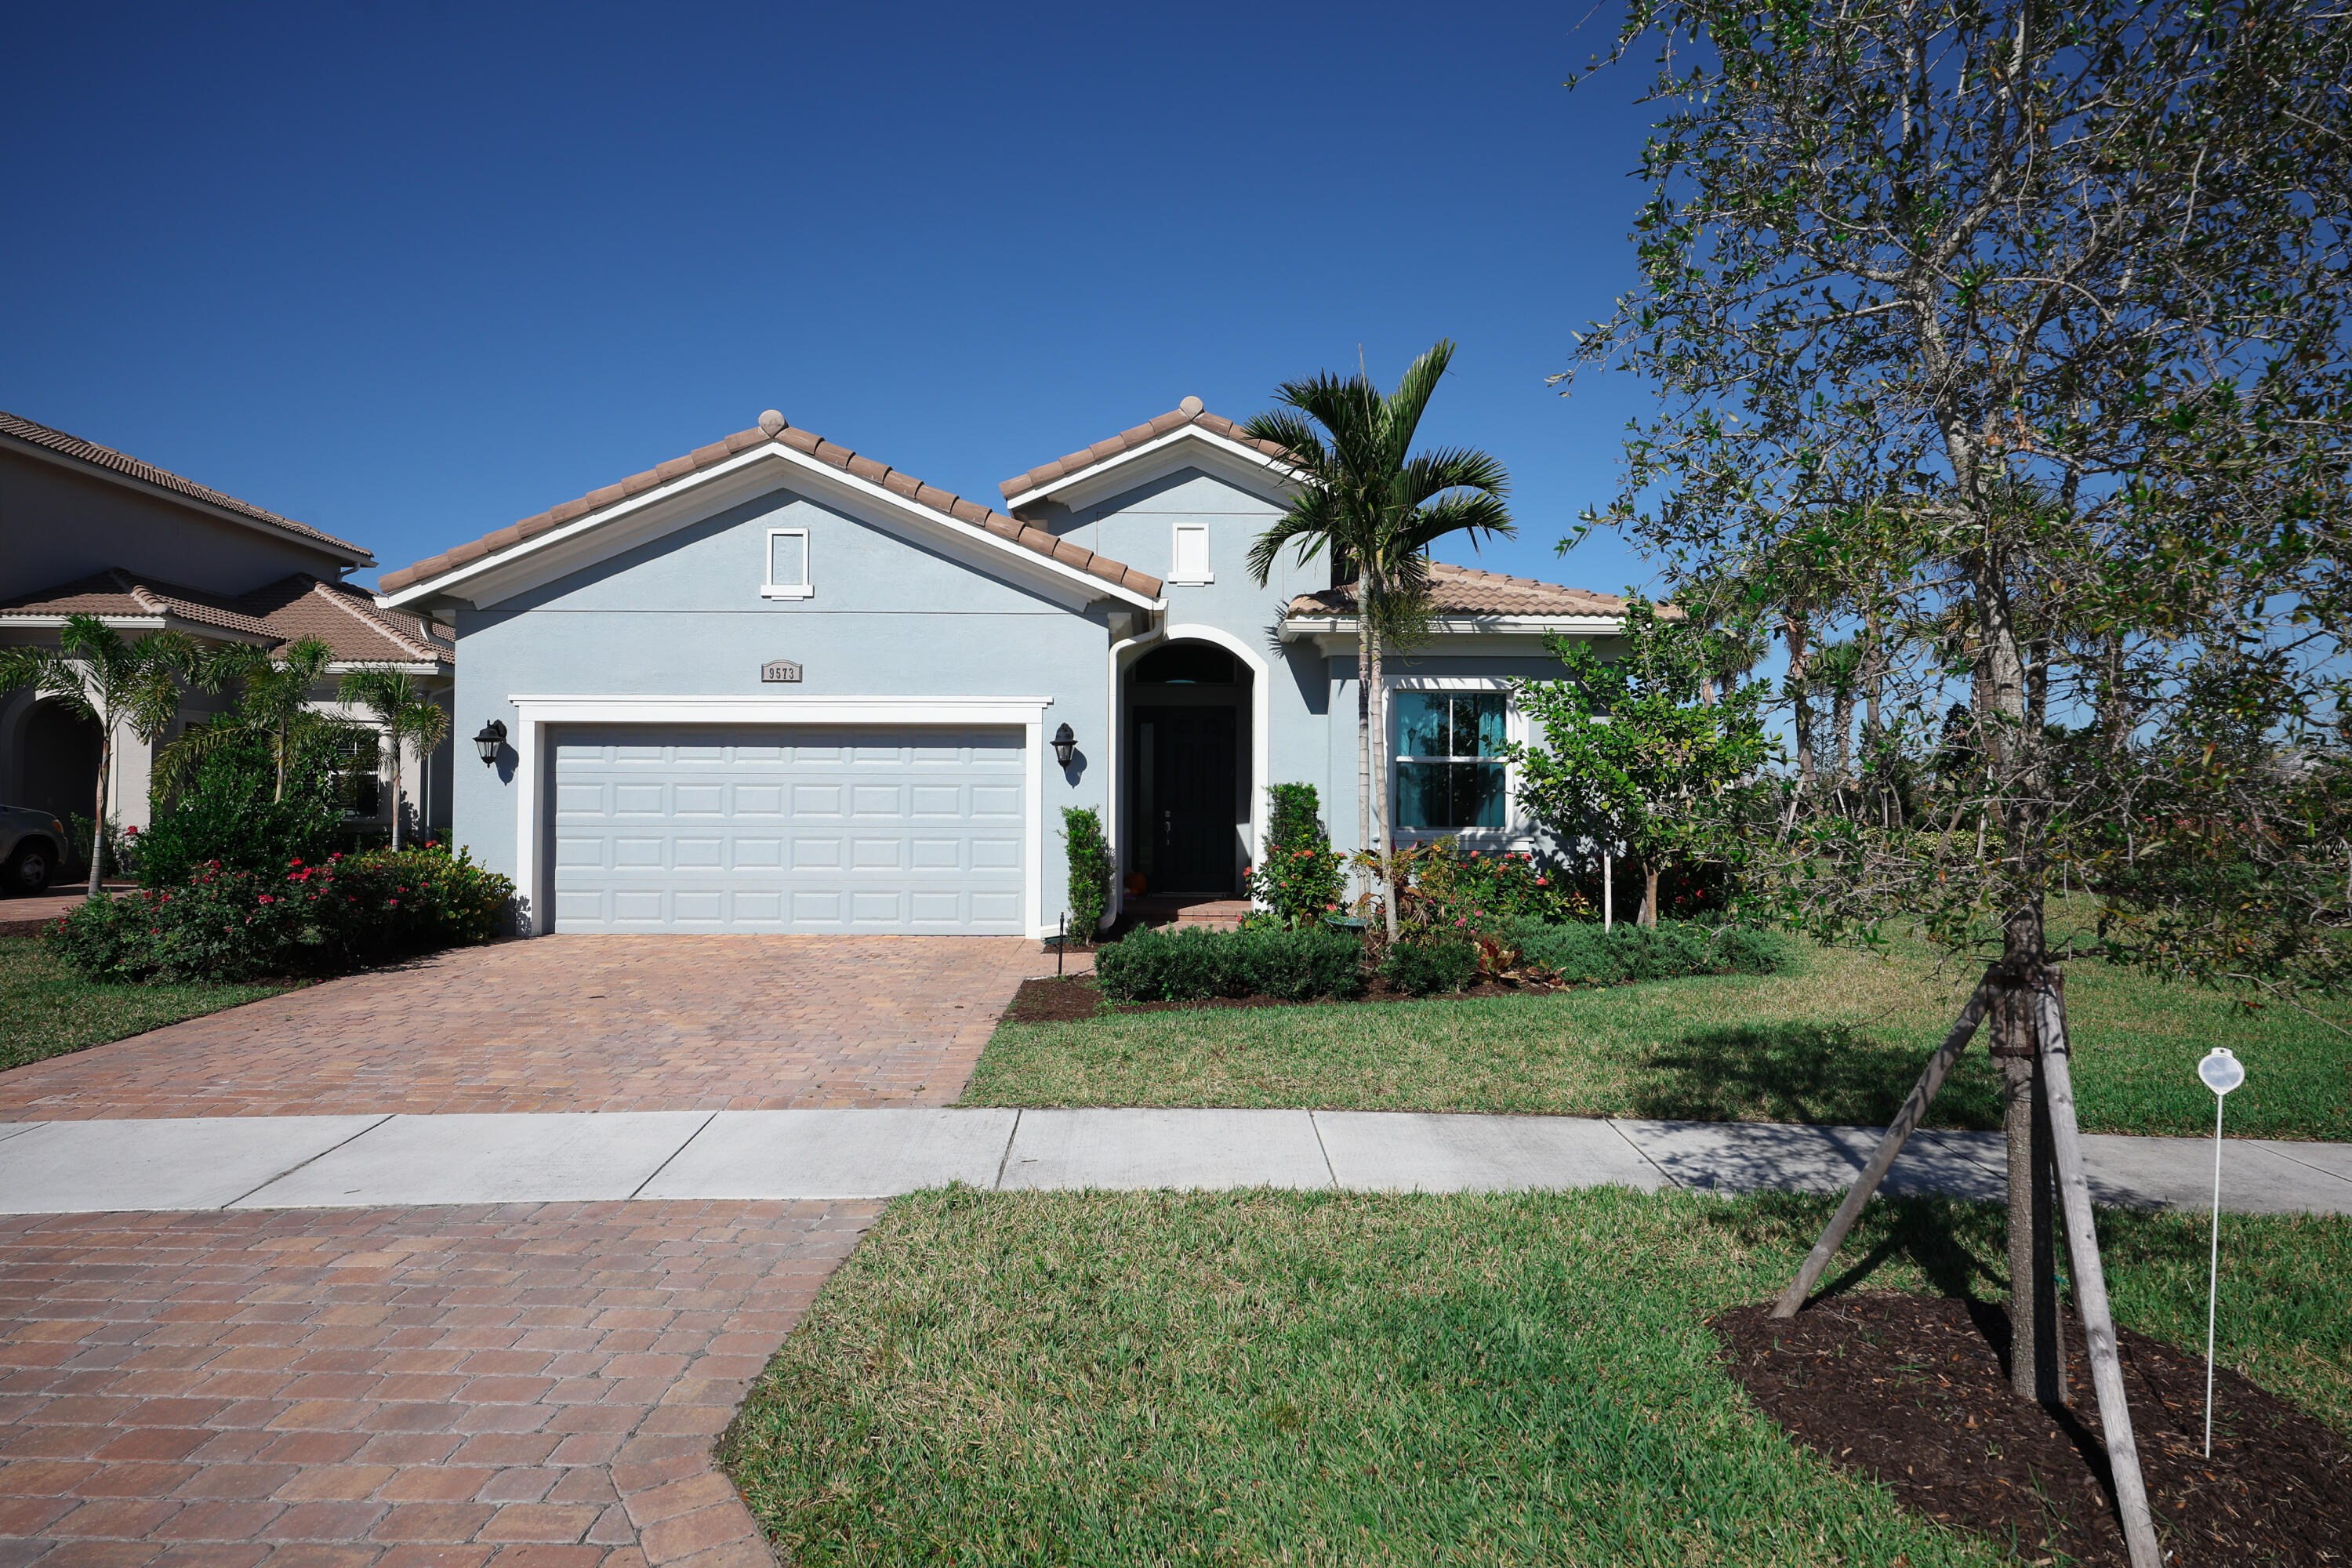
(1401, 410)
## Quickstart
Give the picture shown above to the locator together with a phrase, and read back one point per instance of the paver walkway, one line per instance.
(572, 1023)
(533, 1385)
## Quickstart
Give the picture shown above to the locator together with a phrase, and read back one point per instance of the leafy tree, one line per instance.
(405, 713)
(112, 681)
(2064, 293)
(1632, 753)
(1377, 506)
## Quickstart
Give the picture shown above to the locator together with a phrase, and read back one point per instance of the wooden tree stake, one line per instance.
(2090, 1280)
(1923, 1094)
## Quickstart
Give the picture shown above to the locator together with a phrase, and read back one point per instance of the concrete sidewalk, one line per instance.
(356, 1162)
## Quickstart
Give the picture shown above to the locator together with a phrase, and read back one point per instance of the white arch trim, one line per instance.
(1261, 706)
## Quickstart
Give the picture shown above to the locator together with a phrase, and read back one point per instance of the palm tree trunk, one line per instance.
(393, 736)
(1363, 728)
(98, 810)
(1380, 828)
(1649, 916)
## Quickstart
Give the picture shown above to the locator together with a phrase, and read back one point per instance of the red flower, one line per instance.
(268, 900)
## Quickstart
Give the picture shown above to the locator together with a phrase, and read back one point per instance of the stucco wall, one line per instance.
(58, 525)
(683, 615)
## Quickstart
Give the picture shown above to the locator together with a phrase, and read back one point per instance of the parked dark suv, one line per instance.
(32, 847)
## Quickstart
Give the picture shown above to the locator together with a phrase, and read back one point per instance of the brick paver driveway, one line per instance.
(572, 1023)
(539, 1383)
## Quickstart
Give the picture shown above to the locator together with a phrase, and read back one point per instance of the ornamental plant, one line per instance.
(1300, 878)
(1090, 870)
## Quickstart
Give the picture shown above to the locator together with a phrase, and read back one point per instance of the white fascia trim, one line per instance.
(1094, 482)
(404, 666)
(827, 479)
(535, 713)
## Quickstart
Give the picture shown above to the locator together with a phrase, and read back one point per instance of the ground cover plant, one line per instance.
(1837, 1039)
(47, 1009)
(1392, 1379)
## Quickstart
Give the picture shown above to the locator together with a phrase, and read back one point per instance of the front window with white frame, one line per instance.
(788, 564)
(1450, 772)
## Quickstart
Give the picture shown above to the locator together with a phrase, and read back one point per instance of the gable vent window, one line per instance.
(788, 564)
(1192, 555)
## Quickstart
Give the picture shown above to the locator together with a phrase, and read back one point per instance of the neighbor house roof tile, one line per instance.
(107, 458)
(1035, 539)
(1143, 434)
(344, 617)
(1466, 591)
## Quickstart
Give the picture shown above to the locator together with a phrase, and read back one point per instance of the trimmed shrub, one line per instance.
(1195, 964)
(1427, 968)
(1299, 877)
(227, 923)
(1586, 955)
(1090, 870)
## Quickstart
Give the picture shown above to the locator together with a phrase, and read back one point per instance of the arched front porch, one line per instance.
(1189, 791)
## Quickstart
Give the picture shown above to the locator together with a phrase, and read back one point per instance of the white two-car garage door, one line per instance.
(738, 827)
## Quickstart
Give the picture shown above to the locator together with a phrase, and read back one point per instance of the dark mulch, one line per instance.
(1065, 997)
(25, 928)
(1912, 1391)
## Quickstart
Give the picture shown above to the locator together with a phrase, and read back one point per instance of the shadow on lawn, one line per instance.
(1832, 1074)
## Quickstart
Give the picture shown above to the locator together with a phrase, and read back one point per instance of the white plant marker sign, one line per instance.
(2221, 1072)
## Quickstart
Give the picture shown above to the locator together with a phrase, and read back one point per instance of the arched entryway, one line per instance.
(58, 766)
(1190, 736)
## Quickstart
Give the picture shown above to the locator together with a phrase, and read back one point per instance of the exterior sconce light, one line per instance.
(1064, 743)
(493, 736)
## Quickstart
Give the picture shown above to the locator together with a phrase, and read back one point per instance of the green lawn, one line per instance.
(1839, 1040)
(1290, 1377)
(47, 1010)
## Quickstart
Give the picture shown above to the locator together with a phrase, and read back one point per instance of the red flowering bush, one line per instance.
(225, 923)
(1300, 877)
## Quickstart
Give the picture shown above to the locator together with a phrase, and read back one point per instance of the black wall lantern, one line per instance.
(493, 736)
(1064, 743)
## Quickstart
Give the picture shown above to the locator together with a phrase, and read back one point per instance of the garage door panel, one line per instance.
(710, 829)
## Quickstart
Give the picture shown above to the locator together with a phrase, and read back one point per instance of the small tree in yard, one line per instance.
(1633, 756)
(1377, 505)
(405, 714)
(113, 682)
(2065, 293)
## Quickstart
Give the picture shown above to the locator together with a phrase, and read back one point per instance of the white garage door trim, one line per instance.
(535, 713)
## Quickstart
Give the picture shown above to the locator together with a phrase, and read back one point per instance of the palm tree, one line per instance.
(275, 704)
(405, 712)
(96, 673)
(1377, 506)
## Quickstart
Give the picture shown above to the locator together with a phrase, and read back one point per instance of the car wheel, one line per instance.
(28, 869)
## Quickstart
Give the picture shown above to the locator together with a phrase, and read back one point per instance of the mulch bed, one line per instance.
(1911, 1390)
(1070, 996)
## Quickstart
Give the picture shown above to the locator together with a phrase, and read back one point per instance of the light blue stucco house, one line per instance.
(776, 686)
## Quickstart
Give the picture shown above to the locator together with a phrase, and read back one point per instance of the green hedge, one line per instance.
(228, 924)
(1583, 952)
(1429, 967)
(1193, 965)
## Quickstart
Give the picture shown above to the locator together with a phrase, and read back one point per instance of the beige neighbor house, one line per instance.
(85, 530)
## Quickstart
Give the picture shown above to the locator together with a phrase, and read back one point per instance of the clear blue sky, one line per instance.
(409, 272)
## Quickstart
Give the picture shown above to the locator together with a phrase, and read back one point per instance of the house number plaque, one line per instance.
(780, 669)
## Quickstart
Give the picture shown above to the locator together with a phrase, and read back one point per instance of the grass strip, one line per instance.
(1838, 1039)
(48, 1010)
(1291, 1377)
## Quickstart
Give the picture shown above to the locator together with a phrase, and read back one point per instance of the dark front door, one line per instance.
(1192, 800)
